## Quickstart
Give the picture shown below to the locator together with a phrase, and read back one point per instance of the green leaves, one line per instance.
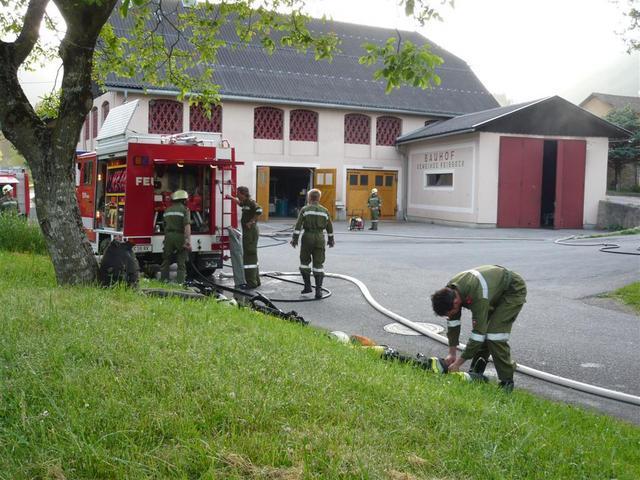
(406, 64)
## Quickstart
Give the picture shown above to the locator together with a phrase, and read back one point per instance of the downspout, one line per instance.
(405, 181)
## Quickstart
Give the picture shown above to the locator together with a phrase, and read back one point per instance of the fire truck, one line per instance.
(18, 178)
(124, 187)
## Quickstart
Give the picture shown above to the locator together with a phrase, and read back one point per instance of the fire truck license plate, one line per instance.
(142, 248)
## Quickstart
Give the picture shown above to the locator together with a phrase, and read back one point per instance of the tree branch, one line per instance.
(30, 30)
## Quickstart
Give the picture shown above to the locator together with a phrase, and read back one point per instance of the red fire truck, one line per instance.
(124, 187)
(18, 178)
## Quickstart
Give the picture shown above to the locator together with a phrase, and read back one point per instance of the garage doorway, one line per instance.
(283, 190)
(548, 190)
(541, 183)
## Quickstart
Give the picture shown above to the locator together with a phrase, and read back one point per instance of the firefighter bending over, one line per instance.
(250, 235)
(8, 204)
(313, 219)
(375, 205)
(177, 236)
(495, 297)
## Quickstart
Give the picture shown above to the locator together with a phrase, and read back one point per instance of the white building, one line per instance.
(298, 123)
(537, 164)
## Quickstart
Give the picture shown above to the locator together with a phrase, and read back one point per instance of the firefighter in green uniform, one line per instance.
(495, 296)
(8, 204)
(375, 206)
(250, 235)
(314, 219)
(177, 236)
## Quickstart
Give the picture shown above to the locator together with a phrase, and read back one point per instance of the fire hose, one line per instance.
(532, 372)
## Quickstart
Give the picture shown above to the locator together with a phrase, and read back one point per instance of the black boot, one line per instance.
(318, 279)
(306, 276)
(506, 385)
(478, 365)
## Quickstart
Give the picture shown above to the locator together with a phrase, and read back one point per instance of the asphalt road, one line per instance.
(564, 328)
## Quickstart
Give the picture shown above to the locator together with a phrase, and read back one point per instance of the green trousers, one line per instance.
(312, 249)
(250, 238)
(174, 243)
(499, 329)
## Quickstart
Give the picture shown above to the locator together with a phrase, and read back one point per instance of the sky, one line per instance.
(520, 49)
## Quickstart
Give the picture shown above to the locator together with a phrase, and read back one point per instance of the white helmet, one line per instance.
(180, 195)
(374, 190)
(7, 189)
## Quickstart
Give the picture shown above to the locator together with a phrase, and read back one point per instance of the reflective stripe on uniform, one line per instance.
(318, 270)
(174, 214)
(319, 214)
(477, 337)
(453, 323)
(248, 267)
(498, 337)
(483, 283)
(329, 234)
(296, 232)
(246, 208)
(305, 267)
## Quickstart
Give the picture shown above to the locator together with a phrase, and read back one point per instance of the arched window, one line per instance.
(387, 130)
(357, 129)
(165, 116)
(105, 111)
(86, 128)
(94, 122)
(268, 123)
(303, 126)
(199, 122)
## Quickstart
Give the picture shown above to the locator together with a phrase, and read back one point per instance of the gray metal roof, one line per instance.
(291, 76)
(548, 116)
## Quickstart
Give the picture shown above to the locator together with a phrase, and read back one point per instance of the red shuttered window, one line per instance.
(105, 111)
(387, 130)
(199, 122)
(303, 126)
(94, 122)
(165, 116)
(357, 129)
(268, 123)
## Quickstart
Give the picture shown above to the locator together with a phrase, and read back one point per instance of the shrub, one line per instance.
(17, 234)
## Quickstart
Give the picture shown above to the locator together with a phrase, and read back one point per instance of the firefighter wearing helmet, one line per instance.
(314, 219)
(375, 206)
(250, 235)
(177, 236)
(8, 204)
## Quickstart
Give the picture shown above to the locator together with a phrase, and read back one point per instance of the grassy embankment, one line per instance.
(109, 384)
(629, 295)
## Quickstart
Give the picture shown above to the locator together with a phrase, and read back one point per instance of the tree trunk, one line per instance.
(59, 216)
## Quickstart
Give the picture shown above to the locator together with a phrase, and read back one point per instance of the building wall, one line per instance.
(453, 155)
(474, 197)
(329, 151)
(597, 107)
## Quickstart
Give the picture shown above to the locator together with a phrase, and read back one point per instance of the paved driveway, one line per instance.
(564, 328)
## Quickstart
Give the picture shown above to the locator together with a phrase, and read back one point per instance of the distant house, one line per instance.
(298, 123)
(601, 104)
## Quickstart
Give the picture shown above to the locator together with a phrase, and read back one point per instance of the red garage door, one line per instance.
(569, 211)
(520, 179)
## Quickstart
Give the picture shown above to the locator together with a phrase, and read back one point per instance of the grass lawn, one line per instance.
(101, 383)
(629, 295)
